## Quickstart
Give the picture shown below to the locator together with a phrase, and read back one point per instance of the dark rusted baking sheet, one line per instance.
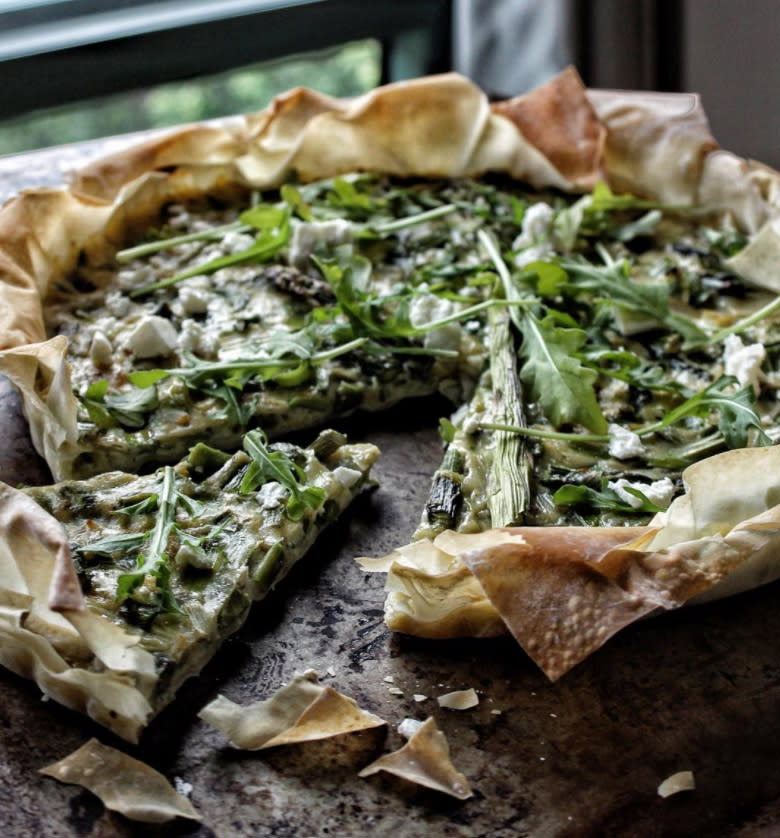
(696, 690)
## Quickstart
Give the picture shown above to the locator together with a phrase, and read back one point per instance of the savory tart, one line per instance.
(584, 271)
(117, 589)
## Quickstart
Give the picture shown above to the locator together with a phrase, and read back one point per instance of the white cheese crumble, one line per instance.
(542, 252)
(428, 308)
(306, 235)
(152, 337)
(744, 362)
(190, 335)
(193, 300)
(347, 476)
(270, 495)
(658, 492)
(235, 242)
(100, 350)
(117, 303)
(135, 277)
(687, 378)
(537, 222)
(533, 242)
(616, 390)
(623, 443)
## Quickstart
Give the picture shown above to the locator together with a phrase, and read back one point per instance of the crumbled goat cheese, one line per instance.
(616, 390)
(190, 335)
(658, 492)
(270, 495)
(100, 350)
(306, 235)
(135, 277)
(193, 300)
(117, 303)
(532, 241)
(347, 476)
(178, 216)
(687, 378)
(744, 362)
(235, 242)
(152, 337)
(537, 222)
(541, 252)
(623, 443)
(428, 308)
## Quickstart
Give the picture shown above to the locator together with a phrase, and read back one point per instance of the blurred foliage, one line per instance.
(346, 71)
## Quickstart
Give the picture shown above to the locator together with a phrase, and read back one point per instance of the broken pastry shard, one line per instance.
(124, 784)
(302, 711)
(425, 760)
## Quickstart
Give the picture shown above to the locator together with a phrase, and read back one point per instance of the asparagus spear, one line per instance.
(446, 496)
(508, 482)
(510, 466)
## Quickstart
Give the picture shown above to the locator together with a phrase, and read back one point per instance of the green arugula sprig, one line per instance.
(107, 410)
(737, 417)
(604, 213)
(154, 561)
(736, 413)
(273, 226)
(611, 284)
(606, 498)
(384, 317)
(551, 371)
(268, 465)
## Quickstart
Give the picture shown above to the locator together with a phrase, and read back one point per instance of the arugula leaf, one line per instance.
(550, 278)
(626, 366)
(555, 378)
(573, 495)
(612, 284)
(295, 201)
(643, 226)
(167, 243)
(155, 562)
(736, 413)
(273, 225)
(146, 378)
(604, 199)
(268, 465)
(346, 196)
(112, 544)
(141, 508)
(128, 409)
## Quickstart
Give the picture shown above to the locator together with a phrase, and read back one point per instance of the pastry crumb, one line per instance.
(680, 781)
(459, 700)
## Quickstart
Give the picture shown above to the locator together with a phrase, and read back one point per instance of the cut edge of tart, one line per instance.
(170, 563)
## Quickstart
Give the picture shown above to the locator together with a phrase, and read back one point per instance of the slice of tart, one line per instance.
(117, 589)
